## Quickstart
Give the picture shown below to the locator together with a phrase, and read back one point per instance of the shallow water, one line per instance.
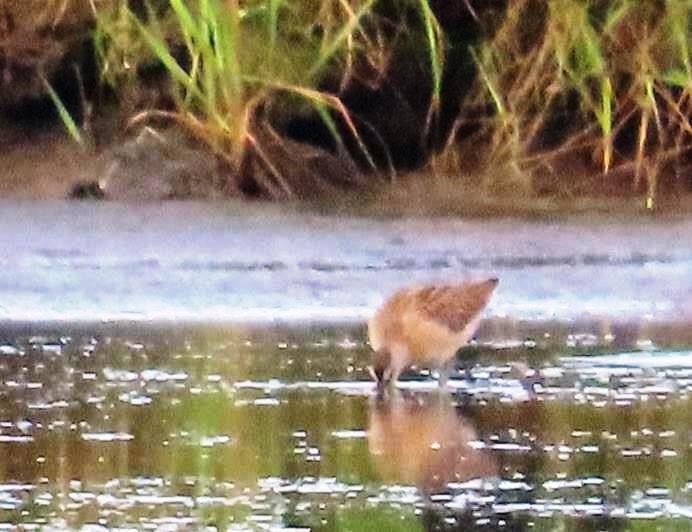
(133, 397)
(142, 427)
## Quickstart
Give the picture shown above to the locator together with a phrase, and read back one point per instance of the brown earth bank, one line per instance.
(44, 163)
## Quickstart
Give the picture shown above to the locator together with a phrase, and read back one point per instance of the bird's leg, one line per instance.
(468, 361)
(442, 378)
(468, 374)
(444, 371)
(466, 367)
(528, 378)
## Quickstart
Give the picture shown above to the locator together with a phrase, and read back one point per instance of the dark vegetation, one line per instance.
(297, 99)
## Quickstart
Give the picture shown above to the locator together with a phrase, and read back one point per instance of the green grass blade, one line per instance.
(341, 36)
(615, 15)
(678, 78)
(434, 42)
(187, 22)
(679, 15)
(489, 84)
(604, 116)
(226, 31)
(163, 54)
(65, 116)
(273, 22)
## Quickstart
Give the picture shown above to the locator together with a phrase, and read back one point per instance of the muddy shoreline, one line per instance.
(45, 164)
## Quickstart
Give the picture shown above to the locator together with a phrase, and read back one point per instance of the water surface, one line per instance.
(180, 366)
(205, 262)
(278, 428)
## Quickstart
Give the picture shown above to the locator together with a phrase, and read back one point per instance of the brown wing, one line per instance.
(454, 306)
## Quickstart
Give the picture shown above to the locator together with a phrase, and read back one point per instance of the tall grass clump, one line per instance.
(600, 83)
(232, 64)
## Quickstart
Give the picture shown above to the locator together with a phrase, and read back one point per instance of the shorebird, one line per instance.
(425, 325)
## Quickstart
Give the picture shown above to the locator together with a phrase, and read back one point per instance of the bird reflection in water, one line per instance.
(421, 440)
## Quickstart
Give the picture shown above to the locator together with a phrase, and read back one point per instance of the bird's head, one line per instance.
(381, 367)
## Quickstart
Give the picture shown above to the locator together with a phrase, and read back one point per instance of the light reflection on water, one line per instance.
(262, 429)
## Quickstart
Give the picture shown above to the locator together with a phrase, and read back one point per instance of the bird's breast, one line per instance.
(428, 342)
